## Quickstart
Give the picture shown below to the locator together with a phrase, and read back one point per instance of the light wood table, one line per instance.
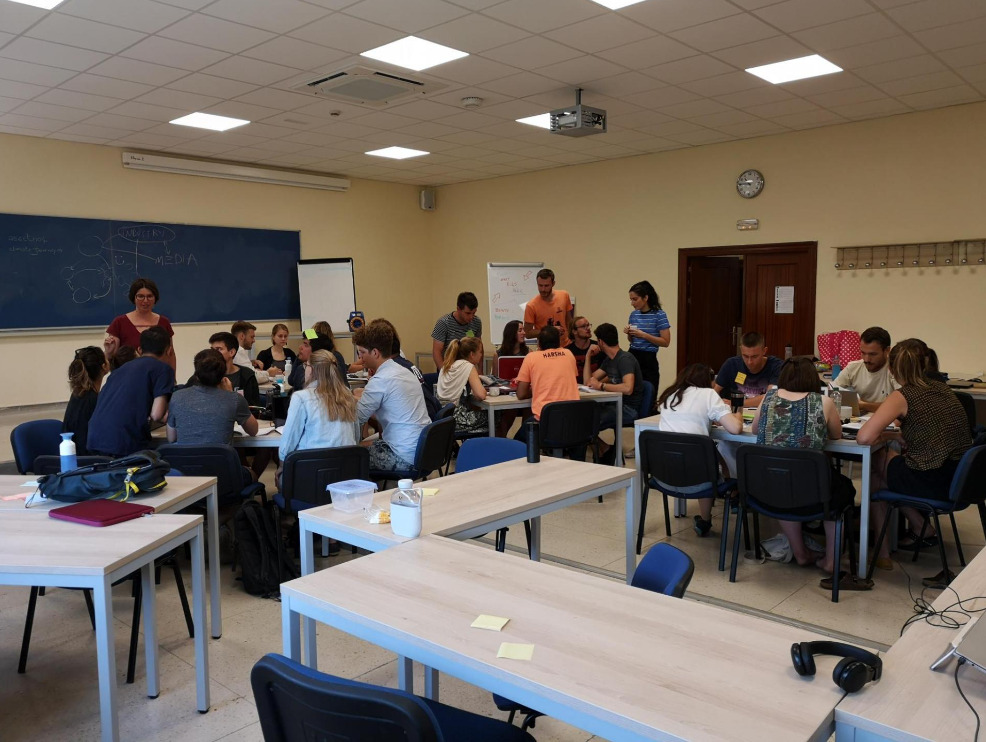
(620, 662)
(38, 550)
(477, 502)
(178, 495)
(912, 702)
(843, 446)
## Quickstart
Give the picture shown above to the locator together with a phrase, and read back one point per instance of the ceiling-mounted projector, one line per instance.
(579, 120)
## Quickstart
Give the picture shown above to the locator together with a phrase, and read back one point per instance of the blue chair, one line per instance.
(298, 704)
(670, 462)
(434, 450)
(32, 439)
(664, 569)
(968, 488)
(479, 452)
(221, 462)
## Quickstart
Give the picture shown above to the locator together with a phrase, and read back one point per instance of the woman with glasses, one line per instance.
(125, 330)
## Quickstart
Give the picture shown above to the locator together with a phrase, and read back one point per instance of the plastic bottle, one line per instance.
(405, 510)
(287, 373)
(66, 450)
(836, 368)
(533, 441)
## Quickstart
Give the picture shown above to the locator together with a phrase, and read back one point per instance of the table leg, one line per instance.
(215, 606)
(431, 683)
(492, 420)
(536, 539)
(405, 674)
(290, 635)
(632, 491)
(308, 567)
(148, 599)
(618, 433)
(199, 619)
(864, 510)
(106, 660)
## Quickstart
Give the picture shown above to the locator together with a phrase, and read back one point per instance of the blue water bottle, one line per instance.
(836, 368)
(66, 451)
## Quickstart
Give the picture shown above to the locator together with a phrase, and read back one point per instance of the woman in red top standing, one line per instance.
(126, 329)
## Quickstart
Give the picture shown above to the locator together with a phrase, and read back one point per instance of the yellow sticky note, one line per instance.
(429, 491)
(490, 623)
(510, 651)
(740, 377)
(311, 334)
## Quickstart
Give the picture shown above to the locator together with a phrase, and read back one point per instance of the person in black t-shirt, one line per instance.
(240, 377)
(751, 372)
(85, 377)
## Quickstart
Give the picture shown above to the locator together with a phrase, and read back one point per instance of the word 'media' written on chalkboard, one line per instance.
(57, 272)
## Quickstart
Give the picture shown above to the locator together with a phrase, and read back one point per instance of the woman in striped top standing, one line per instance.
(649, 331)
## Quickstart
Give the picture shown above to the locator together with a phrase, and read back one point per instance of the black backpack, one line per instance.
(260, 552)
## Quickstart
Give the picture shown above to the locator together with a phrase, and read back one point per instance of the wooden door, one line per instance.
(713, 282)
(763, 273)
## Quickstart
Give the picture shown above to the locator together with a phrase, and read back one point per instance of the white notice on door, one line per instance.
(783, 299)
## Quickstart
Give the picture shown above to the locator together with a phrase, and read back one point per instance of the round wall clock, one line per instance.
(749, 184)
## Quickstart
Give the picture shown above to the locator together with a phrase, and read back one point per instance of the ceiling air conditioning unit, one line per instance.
(181, 166)
(578, 120)
(369, 87)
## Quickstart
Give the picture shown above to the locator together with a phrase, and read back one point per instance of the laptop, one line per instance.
(850, 399)
(969, 645)
(508, 367)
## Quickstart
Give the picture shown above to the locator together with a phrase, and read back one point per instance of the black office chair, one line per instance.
(52, 464)
(433, 452)
(570, 428)
(298, 704)
(789, 484)
(670, 462)
(968, 488)
(32, 439)
(969, 405)
(222, 462)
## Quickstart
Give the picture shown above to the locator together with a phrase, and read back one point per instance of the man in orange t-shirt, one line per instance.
(547, 374)
(550, 308)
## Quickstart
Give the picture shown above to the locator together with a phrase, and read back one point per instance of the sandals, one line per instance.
(847, 582)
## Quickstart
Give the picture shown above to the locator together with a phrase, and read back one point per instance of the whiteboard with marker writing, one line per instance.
(511, 285)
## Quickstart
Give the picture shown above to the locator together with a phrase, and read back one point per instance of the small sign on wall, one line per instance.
(783, 299)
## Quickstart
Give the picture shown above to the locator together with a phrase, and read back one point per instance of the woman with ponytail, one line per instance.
(458, 382)
(85, 376)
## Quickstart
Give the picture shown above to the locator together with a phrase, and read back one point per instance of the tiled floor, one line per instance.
(57, 698)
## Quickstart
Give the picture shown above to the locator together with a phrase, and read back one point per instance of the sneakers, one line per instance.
(939, 581)
(702, 527)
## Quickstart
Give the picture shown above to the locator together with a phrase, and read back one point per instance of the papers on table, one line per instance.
(584, 388)
(264, 430)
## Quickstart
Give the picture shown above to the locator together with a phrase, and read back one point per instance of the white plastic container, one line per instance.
(405, 510)
(352, 495)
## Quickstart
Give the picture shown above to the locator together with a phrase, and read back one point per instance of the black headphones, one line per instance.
(857, 668)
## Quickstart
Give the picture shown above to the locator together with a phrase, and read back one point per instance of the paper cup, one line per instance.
(845, 412)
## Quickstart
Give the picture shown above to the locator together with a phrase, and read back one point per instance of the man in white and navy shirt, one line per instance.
(459, 324)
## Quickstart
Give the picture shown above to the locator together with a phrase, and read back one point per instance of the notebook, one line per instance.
(100, 512)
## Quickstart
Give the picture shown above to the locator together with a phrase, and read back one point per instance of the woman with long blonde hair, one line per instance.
(458, 382)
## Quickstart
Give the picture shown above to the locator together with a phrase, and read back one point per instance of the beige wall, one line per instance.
(378, 224)
(603, 226)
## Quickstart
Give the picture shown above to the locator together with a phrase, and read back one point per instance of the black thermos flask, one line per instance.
(533, 441)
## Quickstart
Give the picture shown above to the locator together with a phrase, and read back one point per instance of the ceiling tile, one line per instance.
(922, 83)
(964, 56)
(73, 99)
(216, 33)
(956, 35)
(139, 15)
(472, 70)
(782, 108)
(725, 32)
(900, 68)
(132, 70)
(296, 53)
(810, 119)
(723, 118)
(344, 32)
(112, 88)
(174, 53)
(17, 18)
(9, 104)
(238, 110)
(671, 15)
(331, 110)
(143, 139)
(642, 119)
(863, 55)
(96, 132)
(275, 99)
(514, 109)
(602, 32)
(733, 82)
(695, 108)
(521, 85)
(408, 15)
(756, 128)
(824, 84)
(625, 84)
(22, 90)
(662, 97)
(200, 147)
(932, 13)
(544, 15)
(648, 52)
(48, 111)
(279, 16)
(871, 109)
(795, 15)
(691, 68)
(383, 120)
(294, 120)
(217, 87)
(135, 109)
(424, 109)
(755, 97)
(975, 73)
(708, 136)
(56, 55)
(178, 99)
(62, 136)
(474, 33)
(836, 98)
(938, 98)
(767, 51)
(255, 71)
(64, 29)
(37, 74)
(531, 52)
(581, 70)
(852, 32)
(31, 122)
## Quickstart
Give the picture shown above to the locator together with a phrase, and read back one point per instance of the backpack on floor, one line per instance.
(259, 551)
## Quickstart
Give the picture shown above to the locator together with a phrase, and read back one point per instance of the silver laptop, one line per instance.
(969, 645)
(850, 399)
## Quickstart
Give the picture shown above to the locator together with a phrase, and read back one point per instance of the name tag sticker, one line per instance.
(470, 334)
(311, 334)
(740, 377)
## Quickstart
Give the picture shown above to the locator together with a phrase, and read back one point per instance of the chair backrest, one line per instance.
(969, 405)
(221, 462)
(508, 367)
(476, 453)
(677, 459)
(446, 411)
(969, 481)
(567, 424)
(52, 464)
(664, 569)
(783, 478)
(435, 445)
(646, 402)
(32, 439)
(298, 704)
(431, 378)
(306, 473)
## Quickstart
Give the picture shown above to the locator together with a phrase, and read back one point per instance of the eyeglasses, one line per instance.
(586, 326)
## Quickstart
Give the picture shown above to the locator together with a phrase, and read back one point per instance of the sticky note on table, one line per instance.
(510, 651)
(429, 491)
(21, 496)
(311, 334)
(490, 623)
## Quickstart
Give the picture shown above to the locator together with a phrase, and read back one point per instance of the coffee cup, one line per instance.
(845, 413)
